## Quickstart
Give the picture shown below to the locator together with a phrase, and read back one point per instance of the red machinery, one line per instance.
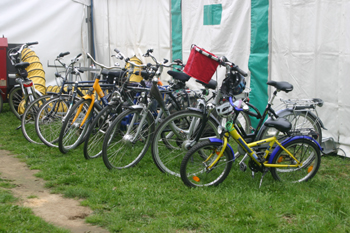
(7, 70)
(3, 68)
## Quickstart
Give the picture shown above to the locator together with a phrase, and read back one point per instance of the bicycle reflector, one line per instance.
(310, 169)
(196, 178)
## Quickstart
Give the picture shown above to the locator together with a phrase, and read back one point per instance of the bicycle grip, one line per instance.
(240, 71)
(63, 54)
(32, 43)
(79, 55)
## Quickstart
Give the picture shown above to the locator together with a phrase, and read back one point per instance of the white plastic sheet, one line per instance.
(310, 49)
(231, 38)
(132, 27)
(58, 26)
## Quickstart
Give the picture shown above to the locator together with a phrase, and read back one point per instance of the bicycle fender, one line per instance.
(287, 111)
(220, 141)
(278, 148)
(201, 111)
(135, 107)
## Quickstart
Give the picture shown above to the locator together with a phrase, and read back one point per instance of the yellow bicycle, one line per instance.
(295, 159)
(81, 114)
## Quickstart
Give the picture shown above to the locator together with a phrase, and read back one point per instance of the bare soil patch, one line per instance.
(53, 208)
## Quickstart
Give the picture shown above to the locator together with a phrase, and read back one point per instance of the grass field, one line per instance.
(142, 199)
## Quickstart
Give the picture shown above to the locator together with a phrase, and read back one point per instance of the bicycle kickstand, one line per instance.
(262, 176)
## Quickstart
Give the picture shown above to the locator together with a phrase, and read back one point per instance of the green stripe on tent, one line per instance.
(212, 14)
(176, 29)
(259, 52)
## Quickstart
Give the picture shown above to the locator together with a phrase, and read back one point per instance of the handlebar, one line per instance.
(63, 54)
(18, 50)
(250, 113)
(101, 65)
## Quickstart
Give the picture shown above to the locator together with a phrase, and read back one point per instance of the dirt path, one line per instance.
(53, 208)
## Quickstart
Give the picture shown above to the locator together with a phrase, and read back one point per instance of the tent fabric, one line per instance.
(310, 49)
(230, 38)
(176, 29)
(259, 55)
(145, 25)
(58, 26)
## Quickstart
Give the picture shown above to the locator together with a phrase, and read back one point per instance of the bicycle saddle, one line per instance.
(281, 86)
(211, 85)
(281, 124)
(179, 75)
(115, 74)
(22, 65)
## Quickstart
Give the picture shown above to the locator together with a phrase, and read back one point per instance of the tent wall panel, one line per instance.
(58, 26)
(310, 49)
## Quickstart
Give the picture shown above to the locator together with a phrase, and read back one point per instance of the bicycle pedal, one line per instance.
(19, 127)
(242, 166)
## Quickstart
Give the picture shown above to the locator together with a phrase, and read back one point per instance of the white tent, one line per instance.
(302, 42)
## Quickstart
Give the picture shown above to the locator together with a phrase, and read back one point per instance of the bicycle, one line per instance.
(185, 128)
(129, 136)
(186, 136)
(295, 159)
(81, 114)
(302, 114)
(29, 115)
(123, 96)
(23, 93)
(48, 124)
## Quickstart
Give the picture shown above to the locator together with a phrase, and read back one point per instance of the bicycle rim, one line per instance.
(172, 137)
(195, 171)
(95, 136)
(48, 124)
(127, 140)
(72, 133)
(304, 151)
(28, 120)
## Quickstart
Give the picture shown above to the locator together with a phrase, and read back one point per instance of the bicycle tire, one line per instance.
(302, 123)
(169, 147)
(48, 124)
(194, 167)
(28, 119)
(15, 98)
(298, 148)
(71, 134)
(94, 136)
(121, 149)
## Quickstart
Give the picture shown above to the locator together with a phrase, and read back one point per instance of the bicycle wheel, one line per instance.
(28, 119)
(173, 136)
(306, 152)
(72, 133)
(48, 124)
(303, 123)
(96, 133)
(194, 167)
(127, 139)
(15, 99)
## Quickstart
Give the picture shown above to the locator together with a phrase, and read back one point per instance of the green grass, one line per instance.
(142, 199)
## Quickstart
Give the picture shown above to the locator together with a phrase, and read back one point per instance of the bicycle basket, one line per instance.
(201, 64)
